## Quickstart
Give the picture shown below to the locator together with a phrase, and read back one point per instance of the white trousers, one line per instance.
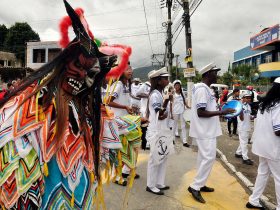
(205, 161)
(243, 144)
(177, 118)
(266, 167)
(156, 173)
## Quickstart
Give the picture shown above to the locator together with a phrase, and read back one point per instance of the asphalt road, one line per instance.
(228, 146)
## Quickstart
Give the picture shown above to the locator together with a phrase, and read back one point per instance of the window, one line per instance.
(268, 59)
(52, 53)
(39, 56)
(278, 56)
(258, 61)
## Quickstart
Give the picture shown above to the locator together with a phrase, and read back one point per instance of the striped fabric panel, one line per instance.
(276, 127)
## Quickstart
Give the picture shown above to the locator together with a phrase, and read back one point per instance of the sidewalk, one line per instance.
(228, 195)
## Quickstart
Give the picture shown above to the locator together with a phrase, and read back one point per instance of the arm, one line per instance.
(119, 106)
(275, 113)
(201, 112)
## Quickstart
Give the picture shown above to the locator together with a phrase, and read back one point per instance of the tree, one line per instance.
(226, 79)
(3, 33)
(17, 36)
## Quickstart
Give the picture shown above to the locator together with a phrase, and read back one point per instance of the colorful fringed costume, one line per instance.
(50, 128)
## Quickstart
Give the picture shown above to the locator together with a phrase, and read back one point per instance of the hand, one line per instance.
(227, 111)
(129, 110)
(162, 117)
(144, 120)
(170, 96)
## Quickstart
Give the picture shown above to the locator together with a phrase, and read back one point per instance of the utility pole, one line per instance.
(176, 66)
(188, 59)
(169, 36)
(188, 34)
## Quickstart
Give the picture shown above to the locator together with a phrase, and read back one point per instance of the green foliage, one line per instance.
(245, 73)
(3, 33)
(226, 78)
(17, 36)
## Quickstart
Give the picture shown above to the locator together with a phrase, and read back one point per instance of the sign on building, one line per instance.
(265, 37)
(189, 72)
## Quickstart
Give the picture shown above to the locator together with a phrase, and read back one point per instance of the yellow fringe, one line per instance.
(100, 196)
(109, 170)
(139, 131)
(106, 101)
(124, 141)
(132, 176)
(46, 169)
(92, 177)
(72, 199)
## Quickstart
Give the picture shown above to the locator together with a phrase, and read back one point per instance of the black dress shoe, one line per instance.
(196, 195)
(124, 183)
(238, 156)
(157, 193)
(248, 162)
(137, 176)
(164, 188)
(207, 189)
(186, 145)
(251, 206)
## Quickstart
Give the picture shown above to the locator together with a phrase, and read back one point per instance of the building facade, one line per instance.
(40, 53)
(263, 53)
(8, 59)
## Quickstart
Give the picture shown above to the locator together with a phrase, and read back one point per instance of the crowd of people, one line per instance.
(162, 111)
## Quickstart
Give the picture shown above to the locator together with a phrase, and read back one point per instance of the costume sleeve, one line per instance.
(156, 101)
(201, 97)
(275, 114)
(116, 93)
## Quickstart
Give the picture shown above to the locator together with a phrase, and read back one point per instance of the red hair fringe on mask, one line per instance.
(64, 25)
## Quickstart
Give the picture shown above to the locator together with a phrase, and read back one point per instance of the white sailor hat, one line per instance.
(209, 67)
(151, 73)
(177, 81)
(136, 79)
(159, 73)
(247, 93)
(277, 80)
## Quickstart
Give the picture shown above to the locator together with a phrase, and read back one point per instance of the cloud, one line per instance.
(218, 27)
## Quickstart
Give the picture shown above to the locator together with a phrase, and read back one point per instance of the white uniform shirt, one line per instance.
(144, 89)
(156, 102)
(178, 104)
(134, 90)
(245, 125)
(121, 94)
(265, 143)
(202, 127)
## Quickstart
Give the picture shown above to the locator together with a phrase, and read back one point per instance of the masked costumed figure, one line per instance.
(50, 128)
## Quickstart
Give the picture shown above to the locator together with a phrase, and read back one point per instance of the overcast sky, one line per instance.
(219, 27)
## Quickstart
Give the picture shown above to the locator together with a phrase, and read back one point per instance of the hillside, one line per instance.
(142, 72)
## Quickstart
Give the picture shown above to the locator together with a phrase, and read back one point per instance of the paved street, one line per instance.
(228, 195)
(228, 146)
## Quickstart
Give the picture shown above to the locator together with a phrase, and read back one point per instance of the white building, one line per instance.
(39, 53)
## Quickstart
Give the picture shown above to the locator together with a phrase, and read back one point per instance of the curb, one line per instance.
(244, 180)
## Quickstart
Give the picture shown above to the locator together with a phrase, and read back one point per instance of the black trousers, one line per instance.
(234, 122)
(144, 140)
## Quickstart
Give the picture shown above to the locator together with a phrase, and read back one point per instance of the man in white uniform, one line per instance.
(266, 144)
(204, 128)
(158, 120)
(143, 93)
(135, 101)
(244, 128)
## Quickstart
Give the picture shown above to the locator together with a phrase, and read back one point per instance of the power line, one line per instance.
(147, 26)
(177, 35)
(196, 7)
